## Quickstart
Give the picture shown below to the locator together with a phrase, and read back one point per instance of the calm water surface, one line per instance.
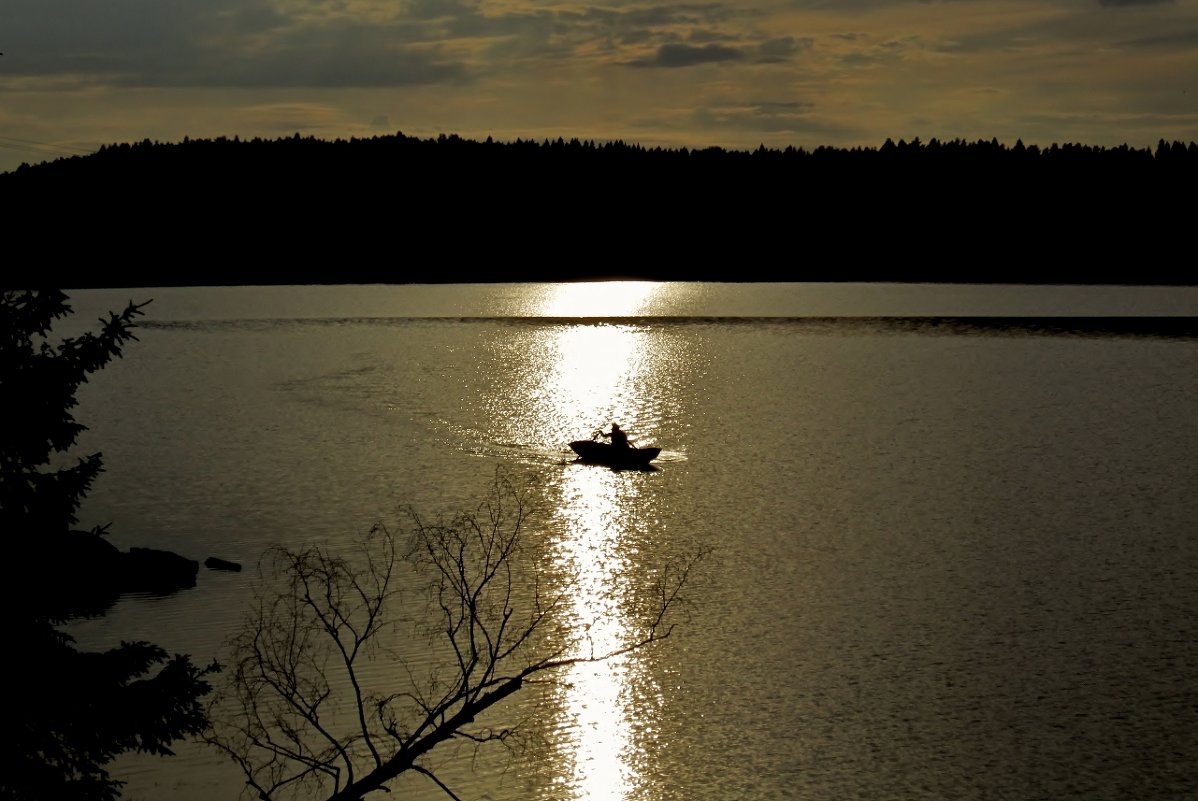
(947, 564)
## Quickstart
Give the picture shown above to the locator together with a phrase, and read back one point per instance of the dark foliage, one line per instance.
(72, 711)
(403, 209)
(39, 383)
(75, 711)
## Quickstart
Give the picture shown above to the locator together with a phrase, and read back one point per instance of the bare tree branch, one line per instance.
(300, 721)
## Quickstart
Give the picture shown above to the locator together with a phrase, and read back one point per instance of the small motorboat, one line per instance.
(592, 450)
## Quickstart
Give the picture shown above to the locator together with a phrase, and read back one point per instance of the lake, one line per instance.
(948, 560)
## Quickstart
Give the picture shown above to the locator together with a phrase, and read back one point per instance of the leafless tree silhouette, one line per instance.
(299, 718)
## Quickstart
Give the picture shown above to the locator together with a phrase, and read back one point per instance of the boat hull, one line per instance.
(589, 450)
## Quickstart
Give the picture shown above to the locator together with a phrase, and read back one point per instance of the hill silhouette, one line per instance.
(403, 209)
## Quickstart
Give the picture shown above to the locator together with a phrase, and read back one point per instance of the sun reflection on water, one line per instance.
(596, 372)
(593, 374)
(565, 380)
(599, 299)
(594, 695)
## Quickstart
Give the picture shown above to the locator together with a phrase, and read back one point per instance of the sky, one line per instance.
(78, 74)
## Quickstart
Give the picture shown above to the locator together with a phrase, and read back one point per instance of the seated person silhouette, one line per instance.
(618, 437)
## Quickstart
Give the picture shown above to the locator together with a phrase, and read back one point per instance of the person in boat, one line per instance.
(617, 436)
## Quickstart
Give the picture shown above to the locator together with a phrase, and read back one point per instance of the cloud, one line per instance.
(682, 55)
(613, 30)
(287, 44)
(289, 117)
(292, 67)
(857, 7)
(437, 9)
(788, 121)
(769, 115)
(232, 43)
(71, 36)
(1045, 37)
(663, 16)
(1182, 40)
(783, 48)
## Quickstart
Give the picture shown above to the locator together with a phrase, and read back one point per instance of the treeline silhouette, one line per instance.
(402, 208)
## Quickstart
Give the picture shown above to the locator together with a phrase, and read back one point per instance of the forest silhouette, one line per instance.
(398, 208)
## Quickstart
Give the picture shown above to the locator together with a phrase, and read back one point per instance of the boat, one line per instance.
(596, 452)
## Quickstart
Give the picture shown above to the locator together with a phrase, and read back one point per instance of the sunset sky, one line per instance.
(76, 74)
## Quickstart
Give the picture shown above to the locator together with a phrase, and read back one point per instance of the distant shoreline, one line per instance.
(402, 210)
